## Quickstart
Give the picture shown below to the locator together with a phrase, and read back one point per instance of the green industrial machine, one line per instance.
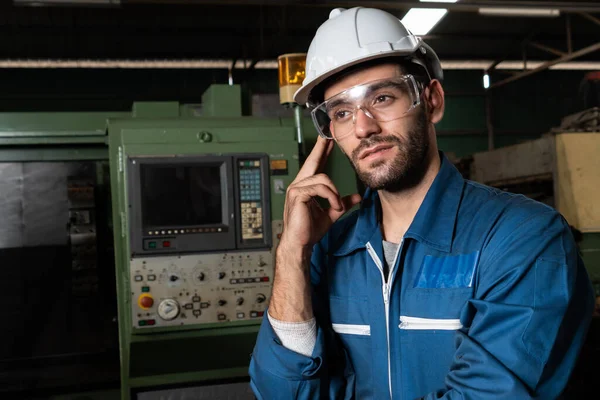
(197, 208)
(87, 197)
(56, 254)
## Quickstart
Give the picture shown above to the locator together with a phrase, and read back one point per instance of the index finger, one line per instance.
(315, 161)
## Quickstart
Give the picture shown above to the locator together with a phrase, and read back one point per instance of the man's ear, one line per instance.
(434, 96)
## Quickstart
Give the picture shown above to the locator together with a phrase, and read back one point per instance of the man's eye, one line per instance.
(341, 114)
(383, 98)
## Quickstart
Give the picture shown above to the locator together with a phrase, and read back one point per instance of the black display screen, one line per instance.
(181, 195)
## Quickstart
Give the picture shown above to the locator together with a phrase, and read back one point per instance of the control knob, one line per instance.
(260, 298)
(222, 302)
(239, 301)
(221, 275)
(168, 309)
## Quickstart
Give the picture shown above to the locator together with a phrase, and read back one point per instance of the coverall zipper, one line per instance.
(387, 284)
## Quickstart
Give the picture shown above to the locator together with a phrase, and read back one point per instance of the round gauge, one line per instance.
(168, 309)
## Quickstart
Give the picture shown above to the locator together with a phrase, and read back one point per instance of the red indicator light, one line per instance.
(166, 243)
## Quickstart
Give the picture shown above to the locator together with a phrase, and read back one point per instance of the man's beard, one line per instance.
(407, 169)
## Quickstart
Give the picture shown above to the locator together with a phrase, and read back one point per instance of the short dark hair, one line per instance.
(317, 95)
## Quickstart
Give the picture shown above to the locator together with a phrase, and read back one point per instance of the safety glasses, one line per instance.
(383, 100)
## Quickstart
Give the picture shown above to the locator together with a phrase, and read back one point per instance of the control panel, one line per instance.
(250, 199)
(200, 288)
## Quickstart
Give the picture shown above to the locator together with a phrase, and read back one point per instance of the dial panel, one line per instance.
(200, 288)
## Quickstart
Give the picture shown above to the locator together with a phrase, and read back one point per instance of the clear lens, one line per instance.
(383, 100)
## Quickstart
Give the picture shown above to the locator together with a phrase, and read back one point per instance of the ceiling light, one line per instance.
(438, 1)
(519, 12)
(486, 81)
(421, 20)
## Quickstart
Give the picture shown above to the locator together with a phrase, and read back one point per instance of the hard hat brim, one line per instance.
(302, 94)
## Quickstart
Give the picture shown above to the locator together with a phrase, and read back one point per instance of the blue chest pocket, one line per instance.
(447, 272)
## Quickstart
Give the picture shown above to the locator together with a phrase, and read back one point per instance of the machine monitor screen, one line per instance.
(198, 203)
(181, 195)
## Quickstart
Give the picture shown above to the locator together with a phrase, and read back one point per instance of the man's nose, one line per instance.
(364, 124)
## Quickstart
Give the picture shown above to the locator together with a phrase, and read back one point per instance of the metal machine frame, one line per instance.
(60, 137)
(187, 354)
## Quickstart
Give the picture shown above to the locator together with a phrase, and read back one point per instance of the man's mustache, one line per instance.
(372, 141)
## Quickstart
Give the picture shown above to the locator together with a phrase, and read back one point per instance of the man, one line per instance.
(436, 287)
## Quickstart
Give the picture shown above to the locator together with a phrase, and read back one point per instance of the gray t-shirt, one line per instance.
(389, 252)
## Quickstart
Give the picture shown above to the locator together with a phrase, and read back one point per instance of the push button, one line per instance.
(145, 301)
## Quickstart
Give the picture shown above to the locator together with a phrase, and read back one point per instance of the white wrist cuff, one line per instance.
(300, 337)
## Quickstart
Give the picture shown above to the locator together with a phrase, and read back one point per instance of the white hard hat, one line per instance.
(353, 36)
